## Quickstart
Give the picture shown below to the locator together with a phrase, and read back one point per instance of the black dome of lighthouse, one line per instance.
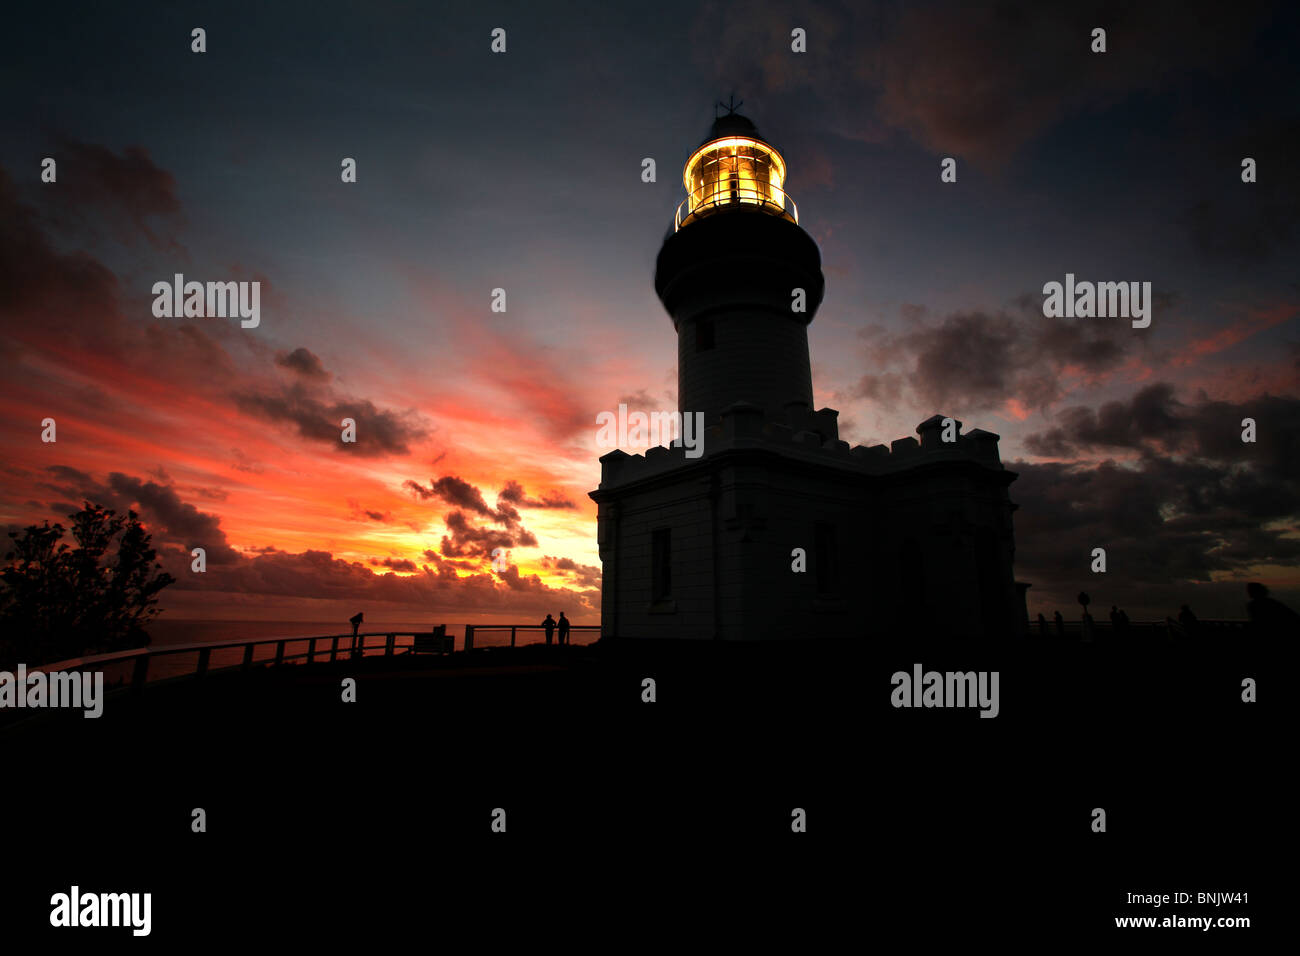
(732, 124)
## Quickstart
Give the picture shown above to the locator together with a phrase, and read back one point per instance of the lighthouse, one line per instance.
(776, 528)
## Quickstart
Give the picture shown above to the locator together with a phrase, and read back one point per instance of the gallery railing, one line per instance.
(498, 632)
(144, 665)
(714, 197)
(1168, 629)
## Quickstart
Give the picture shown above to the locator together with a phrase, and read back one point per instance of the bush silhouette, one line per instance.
(59, 601)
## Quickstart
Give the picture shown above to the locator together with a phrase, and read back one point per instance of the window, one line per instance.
(913, 577)
(661, 564)
(826, 558)
(703, 335)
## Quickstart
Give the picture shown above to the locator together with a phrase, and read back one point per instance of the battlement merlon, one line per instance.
(811, 435)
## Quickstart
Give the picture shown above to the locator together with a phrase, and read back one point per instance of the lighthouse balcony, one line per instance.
(711, 199)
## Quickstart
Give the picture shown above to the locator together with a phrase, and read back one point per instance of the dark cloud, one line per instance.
(417, 489)
(1153, 422)
(39, 282)
(126, 191)
(304, 363)
(514, 493)
(977, 360)
(469, 540)
(462, 495)
(189, 347)
(319, 575)
(455, 491)
(1150, 417)
(972, 359)
(244, 463)
(170, 518)
(1169, 528)
(359, 513)
(884, 389)
(583, 575)
(440, 562)
(378, 432)
(74, 478)
(507, 515)
(1196, 510)
(515, 581)
(638, 399)
(397, 564)
(176, 525)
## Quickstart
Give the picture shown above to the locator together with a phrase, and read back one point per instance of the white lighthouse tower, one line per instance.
(740, 278)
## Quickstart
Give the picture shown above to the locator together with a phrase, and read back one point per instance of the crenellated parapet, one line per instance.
(811, 436)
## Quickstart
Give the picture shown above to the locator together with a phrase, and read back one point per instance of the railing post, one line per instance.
(141, 670)
(205, 655)
(334, 649)
(279, 653)
(311, 651)
(512, 637)
(359, 646)
(248, 656)
(469, 637)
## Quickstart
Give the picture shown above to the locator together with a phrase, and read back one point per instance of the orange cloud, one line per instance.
(1255, 321)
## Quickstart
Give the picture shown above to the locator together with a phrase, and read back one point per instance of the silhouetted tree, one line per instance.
(59, 601)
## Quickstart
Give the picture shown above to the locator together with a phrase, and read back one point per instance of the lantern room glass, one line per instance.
(737, 169)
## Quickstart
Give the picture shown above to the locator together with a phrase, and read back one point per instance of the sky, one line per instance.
(522, 171)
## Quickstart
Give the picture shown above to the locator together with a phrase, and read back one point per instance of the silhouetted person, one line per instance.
(1060, 624)
(1187, 621)
(1117, 621)
(564, 629)
(1268, 616)
(1042, 625)
(549, 624)
(1085, 629)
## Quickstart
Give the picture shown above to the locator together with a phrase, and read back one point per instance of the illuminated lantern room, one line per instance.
(734, 168)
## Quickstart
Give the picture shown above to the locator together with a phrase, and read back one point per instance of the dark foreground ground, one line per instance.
(628, 822)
